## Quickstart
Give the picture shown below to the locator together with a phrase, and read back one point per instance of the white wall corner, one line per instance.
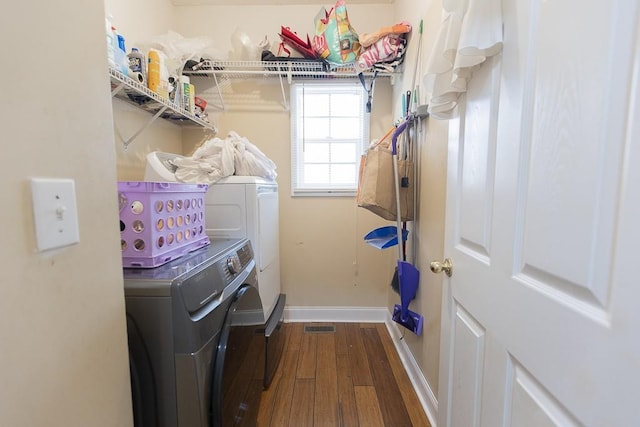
(421, 386)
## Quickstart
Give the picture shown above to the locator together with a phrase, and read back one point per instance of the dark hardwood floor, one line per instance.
(352, 377)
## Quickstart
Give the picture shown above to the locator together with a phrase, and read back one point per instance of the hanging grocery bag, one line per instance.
(376, 191)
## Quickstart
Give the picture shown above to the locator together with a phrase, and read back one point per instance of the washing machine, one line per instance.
(197, 338)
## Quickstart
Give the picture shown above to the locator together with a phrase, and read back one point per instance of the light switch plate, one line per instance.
(55, 212)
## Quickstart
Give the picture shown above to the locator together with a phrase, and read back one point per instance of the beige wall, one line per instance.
(324, 261)
(63, 356)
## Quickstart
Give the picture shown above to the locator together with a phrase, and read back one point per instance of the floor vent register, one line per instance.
(329, 329)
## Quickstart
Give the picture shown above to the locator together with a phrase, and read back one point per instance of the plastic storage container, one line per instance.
(111, 52)
(122, 62)
(160, 221)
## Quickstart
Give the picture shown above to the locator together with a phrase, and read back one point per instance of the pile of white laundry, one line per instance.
(218, 158)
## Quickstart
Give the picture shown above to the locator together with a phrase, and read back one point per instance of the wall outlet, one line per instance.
(55, 213)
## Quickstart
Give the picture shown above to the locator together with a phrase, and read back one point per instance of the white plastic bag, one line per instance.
(243, 48)
(179, 49)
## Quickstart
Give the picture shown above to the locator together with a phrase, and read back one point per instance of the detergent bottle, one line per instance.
(137, 65)
(153, 71)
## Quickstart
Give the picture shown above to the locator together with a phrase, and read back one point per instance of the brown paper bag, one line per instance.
(376, 186)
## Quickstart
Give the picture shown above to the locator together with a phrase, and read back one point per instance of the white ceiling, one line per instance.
(270, 2)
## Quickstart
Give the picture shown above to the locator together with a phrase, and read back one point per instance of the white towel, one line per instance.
(470, 32)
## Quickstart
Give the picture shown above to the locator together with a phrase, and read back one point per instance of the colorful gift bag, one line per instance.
(335, 40)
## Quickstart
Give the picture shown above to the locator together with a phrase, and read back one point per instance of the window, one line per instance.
(329, 131)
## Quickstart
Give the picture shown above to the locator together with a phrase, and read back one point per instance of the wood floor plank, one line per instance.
(307, 359)
(284, 393)
(409, 396)
(326, 393)
(348, 412)
(367, 325)
(295, 336)
(302, 404)
(341, 339)
(358, 363)
(368, 408)
(392, 406)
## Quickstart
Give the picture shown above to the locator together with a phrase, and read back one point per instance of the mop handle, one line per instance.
(394, 152)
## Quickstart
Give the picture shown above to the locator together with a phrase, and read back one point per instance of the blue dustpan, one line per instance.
(384, 237)
(408, 280)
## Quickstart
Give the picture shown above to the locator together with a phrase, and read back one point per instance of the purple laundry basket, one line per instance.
(160, 221)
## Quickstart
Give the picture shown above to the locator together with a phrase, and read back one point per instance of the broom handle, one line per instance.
(415, 70)
(398, 213)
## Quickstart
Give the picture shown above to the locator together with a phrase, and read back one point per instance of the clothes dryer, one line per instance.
(240, 207)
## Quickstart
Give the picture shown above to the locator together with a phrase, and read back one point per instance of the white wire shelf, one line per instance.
(224, 72)
(302, 69)
(138, 95)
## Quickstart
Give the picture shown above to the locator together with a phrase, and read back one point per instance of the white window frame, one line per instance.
(298, 139)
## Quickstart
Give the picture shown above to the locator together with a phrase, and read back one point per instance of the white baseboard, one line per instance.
(368, 315)
(335, 314)
(425, 394)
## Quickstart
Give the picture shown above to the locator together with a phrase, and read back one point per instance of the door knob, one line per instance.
(439, 267)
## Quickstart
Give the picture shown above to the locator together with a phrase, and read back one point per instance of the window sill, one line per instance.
(323, 193)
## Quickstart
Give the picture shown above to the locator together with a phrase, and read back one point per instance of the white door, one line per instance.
(541, 318)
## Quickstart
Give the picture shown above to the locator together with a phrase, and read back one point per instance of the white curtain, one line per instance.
(470, 32)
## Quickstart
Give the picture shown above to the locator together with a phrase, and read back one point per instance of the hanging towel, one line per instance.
(470, 32)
